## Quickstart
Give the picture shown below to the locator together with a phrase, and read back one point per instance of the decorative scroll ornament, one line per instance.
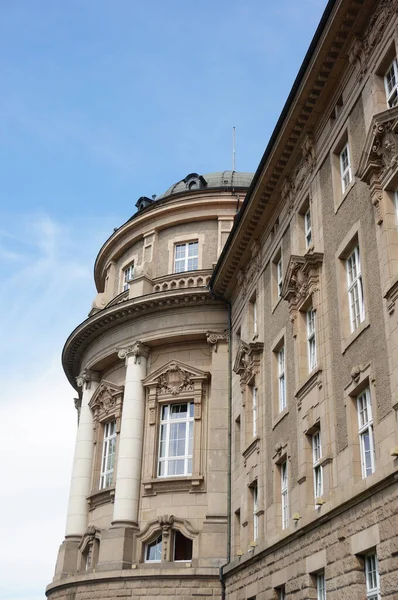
(137, 349)
(86, 377)
(213, 337)
(247, 362)
(107, 402)
(175, 380)
(247, 275)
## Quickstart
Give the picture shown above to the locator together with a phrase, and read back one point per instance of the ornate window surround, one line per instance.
(164, 524)
(174, 382)
(106, 405)
(89, 544)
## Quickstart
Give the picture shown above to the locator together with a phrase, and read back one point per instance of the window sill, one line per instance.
(279, 417)
(100, 497)
(165, 485)
(347, 341)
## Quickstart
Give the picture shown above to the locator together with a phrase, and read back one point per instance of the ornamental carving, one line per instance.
(107, 402)
(175, 380)
(378, 22)
(137, 349)
(247, 362)
(214, 337)
(87, 377)
(247, 275)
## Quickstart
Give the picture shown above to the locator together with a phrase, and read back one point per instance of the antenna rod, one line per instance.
(233, 148)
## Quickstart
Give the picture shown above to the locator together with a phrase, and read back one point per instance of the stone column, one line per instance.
(80, 488)
(128, 473)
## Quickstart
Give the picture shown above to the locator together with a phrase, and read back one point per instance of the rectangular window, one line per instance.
(186, 257)
(280, 592)
(254, 309)
(372, 577)
(355, 289)
(254, 410)
(281, 379)
(391, 84)
(127, 276)
(396, 206)
(311, 339)
(308, 229)
(320, 587)
(279, 277)
(316, 467)
(365, 430)
(176, 440)
(345, 168)
(284, 496)
(108, 455)
(255, 510)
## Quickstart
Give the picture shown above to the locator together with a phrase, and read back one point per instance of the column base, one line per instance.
(117, 547)
(67, 557)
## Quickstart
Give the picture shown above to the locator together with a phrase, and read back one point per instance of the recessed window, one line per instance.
(108, 455)
(355, 289)
(345, 168)
(391, 84)
(279, 276)
(320, 586)
(254, 309)
(372, 577)
(365, 430)
(308, 229)
(254, 490)
(284, 495)
(281, 379)
(153, 551)
(280, 592)
(176, 440)
(186, 257)
(128, 276)
(316, 466)
(182, 547)
(254, 410)
(311, 339)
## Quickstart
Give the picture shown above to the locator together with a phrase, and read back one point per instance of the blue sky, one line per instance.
(103, 102)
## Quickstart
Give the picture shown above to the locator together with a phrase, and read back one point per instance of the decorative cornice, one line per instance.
(247, 362)
(137, 349)
(380, 154)
(213, 337)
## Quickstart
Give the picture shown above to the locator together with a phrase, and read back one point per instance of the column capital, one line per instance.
(86, 377)
(137, 349)
(213, 337)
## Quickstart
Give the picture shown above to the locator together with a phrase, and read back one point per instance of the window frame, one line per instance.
(365, 427)
(320, 586)
(372, 593)
(308, 228)
(281, 592)
(316, 464)
(148, 545)
(279, 277)
(186, 258)
(355, 290)
(189, 440)
(108, 440)
(393, 93)
(282, 403)
(310, 317)
(128, 273)
(284, 494)
(255, 511)
(345, 169)
(254, 410)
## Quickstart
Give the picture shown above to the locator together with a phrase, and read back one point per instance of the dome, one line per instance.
(221, 179)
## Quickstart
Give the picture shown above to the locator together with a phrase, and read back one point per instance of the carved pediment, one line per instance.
(108, 399)
(380, 154)
(302, 278)
(247, 361)
(174, 378)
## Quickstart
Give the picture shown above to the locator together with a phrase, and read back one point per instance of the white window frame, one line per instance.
(255, 324)
(166, 425)
(281, 379)
(284, 495)
(254, 410)
(128, 274)
(345, 168)
(372, 577)
(308, 228)
(279, 277)
(365, 432)
(391, 90)
(182, 263)
(316, 466)
(157, 560)
(108, 455)
(281, 593)
(311, 338)
(320, 586)
(355, 289)
(255, 511)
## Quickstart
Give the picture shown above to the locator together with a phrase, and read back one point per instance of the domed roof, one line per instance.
(222, 179)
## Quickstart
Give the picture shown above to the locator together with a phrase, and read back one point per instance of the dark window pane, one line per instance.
(182, 547)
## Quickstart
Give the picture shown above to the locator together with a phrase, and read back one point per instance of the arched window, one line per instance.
(171, 547)
(182, 547)
(153, 550)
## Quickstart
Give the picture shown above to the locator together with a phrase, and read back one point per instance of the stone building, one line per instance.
(238, 372)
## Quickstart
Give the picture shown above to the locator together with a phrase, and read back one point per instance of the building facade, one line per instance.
(238, 371)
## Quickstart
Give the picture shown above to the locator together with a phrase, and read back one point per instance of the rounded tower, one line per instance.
(148, 506)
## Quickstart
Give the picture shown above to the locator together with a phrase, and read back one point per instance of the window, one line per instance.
(255, 510)
(88, 557)
(108, 455)
(186, 257)
(320, 587)
(391, 84)
(311, 339)
(316, 467)
(284, 496)
(345, 168)
(182, 547)
(127, 276)
(281, 379)
(176, 440)
(280, 592)
(396, 206)
(372, 577)
(153, 551)
(254, 309)
(254, 410)
(365, 430)
(279, 277)
(308, 229)
(355, 289)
